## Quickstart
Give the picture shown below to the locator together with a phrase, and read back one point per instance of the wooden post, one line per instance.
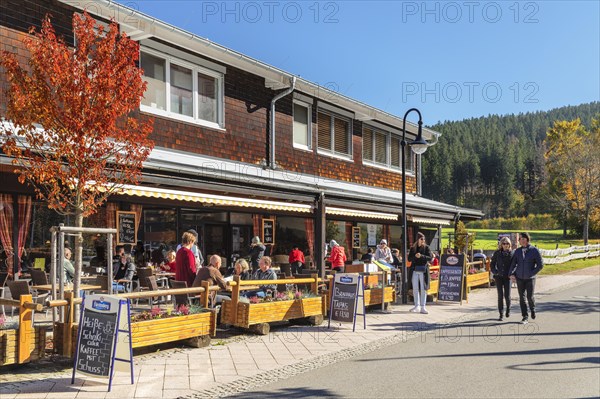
(204, 298)
(314, 286)
(26, 333)
(235, 298)
(68, 325)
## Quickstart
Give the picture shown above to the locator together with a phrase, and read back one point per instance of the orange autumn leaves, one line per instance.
(70, 118)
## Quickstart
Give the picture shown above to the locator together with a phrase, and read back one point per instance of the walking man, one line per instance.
(525, 265)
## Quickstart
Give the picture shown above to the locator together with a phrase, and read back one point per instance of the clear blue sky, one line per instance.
(452, 60)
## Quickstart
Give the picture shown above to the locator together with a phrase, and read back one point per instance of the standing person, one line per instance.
(383, 252)
(185, 262)
(337, 256)
(257, 251)
(138, 255)
(296, 260)
(419, 256)
(195, 250)
(526, 264)
(500, 267)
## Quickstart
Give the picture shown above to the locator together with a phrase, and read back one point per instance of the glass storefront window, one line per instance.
(160, 226)
(290, 231)
(336, 230)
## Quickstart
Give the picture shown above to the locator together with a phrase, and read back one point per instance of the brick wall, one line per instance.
(247, 101)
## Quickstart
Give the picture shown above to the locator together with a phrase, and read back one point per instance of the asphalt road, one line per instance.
(555, 356)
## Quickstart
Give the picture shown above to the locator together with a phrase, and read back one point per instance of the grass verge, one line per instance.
(569, 266)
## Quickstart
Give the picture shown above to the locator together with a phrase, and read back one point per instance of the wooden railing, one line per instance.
(25, 331)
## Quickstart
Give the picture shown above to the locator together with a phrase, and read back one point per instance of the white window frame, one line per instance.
(169, 59)
(331, 152)
(309, 129)
(410, 169)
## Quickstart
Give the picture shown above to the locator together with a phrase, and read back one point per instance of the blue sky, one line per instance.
(452, 60)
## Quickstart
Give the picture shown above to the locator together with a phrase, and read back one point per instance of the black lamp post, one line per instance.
(418, 146)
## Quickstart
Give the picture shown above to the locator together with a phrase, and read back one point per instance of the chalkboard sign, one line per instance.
(99, 344)
(346, 298)
(97, 333)
(452, 278)
(356, 237)
(126, 228)
(268, 231)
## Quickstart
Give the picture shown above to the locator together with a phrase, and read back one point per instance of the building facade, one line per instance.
(240, 147)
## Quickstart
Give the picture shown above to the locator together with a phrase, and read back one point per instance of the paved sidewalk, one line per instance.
(236, 364)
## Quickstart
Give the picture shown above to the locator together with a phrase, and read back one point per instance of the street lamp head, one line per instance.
(419, 145)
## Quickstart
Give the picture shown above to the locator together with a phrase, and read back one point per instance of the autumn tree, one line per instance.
(573, 162)
(68, 121)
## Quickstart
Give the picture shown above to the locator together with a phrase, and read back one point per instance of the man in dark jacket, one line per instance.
(526, 264)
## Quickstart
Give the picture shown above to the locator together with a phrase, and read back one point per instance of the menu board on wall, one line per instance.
(452, 278)
(356, 237)
(126, 228)
(268, 231)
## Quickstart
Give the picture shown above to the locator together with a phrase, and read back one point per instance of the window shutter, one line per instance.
(324, 131)
(368, 144)
(395, 153)
(381, 148)
(342, 139)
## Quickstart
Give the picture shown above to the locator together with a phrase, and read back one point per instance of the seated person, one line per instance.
(169, 266)
(264, 272)
(369, 256)
(211, 274)
(123, 273)
(68, 268)
(242, 269)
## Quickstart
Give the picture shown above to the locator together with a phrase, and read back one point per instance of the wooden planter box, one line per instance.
(373, 296)
(152, 332)
(477, 279)
(256, 313)
(196, 328)
(9, 345)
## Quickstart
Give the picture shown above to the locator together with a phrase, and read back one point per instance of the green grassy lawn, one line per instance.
(545, 239)
(570, 266)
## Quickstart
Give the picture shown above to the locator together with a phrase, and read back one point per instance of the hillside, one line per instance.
(495, 163)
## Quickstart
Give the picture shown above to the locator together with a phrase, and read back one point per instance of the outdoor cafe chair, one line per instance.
(20, 287)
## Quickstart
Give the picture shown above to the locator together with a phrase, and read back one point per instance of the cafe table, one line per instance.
(67, 288)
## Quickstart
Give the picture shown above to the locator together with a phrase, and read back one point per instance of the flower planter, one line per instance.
(195, 328)
(158, 331)
(373, 296)
(247, 314)
(477, 279)
(9, 345)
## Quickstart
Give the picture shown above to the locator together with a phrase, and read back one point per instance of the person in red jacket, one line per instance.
(185, 261)
(296, 260)
(337, 256)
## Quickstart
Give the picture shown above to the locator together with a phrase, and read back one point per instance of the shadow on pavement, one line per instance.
(302, 392)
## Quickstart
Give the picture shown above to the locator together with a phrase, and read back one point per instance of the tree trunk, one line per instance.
(586, 228)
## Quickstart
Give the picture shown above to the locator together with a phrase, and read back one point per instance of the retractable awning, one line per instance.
(222, 200)
(436, 222)
(359, 213)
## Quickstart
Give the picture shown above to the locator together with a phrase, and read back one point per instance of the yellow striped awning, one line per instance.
(220, 200)
(359, 213)
(440, 222)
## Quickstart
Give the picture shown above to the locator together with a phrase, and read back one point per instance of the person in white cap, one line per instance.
(384, 252)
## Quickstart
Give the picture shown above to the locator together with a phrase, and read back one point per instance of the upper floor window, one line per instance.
(302, 124)
(181, 90)
(384, 149)
(334, 134)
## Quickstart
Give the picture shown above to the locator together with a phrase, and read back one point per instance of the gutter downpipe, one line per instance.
(271, 163)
